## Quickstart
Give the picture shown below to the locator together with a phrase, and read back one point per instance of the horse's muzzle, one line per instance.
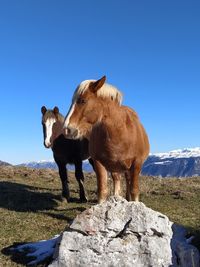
(71, 133)
(47, 145)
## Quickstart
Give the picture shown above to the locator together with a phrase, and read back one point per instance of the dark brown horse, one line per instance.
(117, 139)
(64, 150)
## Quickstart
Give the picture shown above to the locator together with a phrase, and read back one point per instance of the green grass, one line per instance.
(31, 208)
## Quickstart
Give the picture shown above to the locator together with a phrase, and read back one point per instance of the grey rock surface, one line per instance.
(121, 233)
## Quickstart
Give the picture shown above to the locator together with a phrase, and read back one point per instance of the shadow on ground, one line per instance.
(19, 197)
(196, 234)
(21, 257)
(23, 198)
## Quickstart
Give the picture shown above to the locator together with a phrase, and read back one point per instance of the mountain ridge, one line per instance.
(4, 163)
(178, 163)
(179, 153)
(50, 164)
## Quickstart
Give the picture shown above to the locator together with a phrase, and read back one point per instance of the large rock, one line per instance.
(121, 233)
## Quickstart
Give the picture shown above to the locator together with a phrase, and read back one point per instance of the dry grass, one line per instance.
(31, 208)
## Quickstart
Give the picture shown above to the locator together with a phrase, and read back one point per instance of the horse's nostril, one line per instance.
(47, 144)
(75, 133)
(69, 131)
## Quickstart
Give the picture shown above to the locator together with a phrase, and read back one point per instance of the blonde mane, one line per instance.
(106, 91)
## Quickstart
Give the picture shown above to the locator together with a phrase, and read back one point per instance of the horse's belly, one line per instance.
(112, 160)
(115, 149)
(115, 166)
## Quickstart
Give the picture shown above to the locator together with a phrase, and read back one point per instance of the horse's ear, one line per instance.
(56, 110)
(43, 110)
(95, 86)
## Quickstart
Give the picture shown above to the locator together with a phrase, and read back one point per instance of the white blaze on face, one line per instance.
(49, 131)
(66, 122)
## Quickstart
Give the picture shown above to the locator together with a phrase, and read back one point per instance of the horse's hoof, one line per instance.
(66, 196)
(101, 200)
(64, 199)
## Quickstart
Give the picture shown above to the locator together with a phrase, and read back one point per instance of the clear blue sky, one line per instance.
(149, 49)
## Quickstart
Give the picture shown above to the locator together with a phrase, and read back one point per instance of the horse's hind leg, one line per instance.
(116, 183)
(64, 179)
(134, 180)
(80, 178)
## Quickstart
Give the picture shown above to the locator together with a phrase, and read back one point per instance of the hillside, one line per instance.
(3, 163)
(31, 207)
(177, 163)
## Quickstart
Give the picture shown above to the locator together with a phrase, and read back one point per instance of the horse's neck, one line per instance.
(116, 118)
(110, 109)
(113, 110)
(108, 113)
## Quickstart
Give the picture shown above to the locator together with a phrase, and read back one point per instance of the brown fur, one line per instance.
(66, 151)
(118, 141)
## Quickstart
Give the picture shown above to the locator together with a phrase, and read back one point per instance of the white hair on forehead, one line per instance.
(106, 91)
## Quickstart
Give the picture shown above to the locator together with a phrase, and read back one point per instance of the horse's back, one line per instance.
(136, 127)
(125, 127)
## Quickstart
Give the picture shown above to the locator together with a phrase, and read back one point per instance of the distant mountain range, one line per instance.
(43, 164)
(177, 163)
(3, 163)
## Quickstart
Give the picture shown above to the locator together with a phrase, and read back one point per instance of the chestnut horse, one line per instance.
(64, 150)
(117, 140)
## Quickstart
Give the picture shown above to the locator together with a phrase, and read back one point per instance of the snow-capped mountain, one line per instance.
(41, 164)
(180, 153)
(178, 163)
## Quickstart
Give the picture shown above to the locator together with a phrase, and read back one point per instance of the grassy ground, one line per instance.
(31, 208)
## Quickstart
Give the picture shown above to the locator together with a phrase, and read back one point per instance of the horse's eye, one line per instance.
(81, 101)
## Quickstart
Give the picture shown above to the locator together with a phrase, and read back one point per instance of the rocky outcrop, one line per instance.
(121, 233)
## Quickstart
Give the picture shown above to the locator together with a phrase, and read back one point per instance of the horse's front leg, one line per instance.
(134, 180)
(64, 179)
(116, 183)
(80, 179)
(102, 189)
(127, 177)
